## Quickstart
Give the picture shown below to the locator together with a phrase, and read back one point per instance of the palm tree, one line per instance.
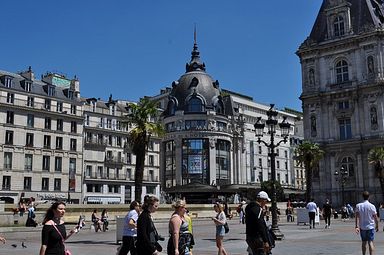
(139, 136)
(309, 154)
(376, 158)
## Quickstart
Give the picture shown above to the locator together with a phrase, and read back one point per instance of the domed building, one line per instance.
(210, 146)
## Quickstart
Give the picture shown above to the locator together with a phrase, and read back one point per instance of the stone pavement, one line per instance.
(299, 240)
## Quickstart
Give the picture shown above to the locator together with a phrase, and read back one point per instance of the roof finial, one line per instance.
(194, 35)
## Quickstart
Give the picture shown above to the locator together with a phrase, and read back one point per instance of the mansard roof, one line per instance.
(365, 15)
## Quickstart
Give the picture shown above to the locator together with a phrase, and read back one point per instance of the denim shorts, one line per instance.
(367, 235)
(220, 231)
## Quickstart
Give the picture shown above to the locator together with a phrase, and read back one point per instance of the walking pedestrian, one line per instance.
(327, 212)
(179, 237)
(54, 234)
(256, 227)
(312, 210)
(2, 239)
(147, 235)
(96, 220)
(366, 223)
(104, 219)
(130, 230)
(219, 221)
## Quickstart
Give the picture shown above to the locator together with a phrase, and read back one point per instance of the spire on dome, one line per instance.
(195, 64)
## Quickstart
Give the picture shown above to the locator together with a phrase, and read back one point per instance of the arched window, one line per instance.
(220, 107)
(195, 105)
(171, 107)
(311, 76)
(342, 71)
(313, 126)
(348, 165)
(338, 26)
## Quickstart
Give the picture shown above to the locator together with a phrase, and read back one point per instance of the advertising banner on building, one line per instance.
(195, 164)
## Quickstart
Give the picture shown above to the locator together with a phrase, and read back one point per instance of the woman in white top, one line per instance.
(219, 221)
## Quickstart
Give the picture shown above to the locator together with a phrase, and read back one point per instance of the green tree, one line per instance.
(309, 154)
(143, 128)
(376, 158)
(267, 187)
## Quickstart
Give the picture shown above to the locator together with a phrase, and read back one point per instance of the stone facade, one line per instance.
(342, 95)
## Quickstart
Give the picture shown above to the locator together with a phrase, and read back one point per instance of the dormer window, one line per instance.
(51, 91)
(8, 82)
(338, 26)
(93, 103)
(195, 105)
(70, 94)
(112, 110)
(28, 86)
(341, 71)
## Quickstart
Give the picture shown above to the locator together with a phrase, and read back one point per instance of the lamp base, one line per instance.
(279, 235)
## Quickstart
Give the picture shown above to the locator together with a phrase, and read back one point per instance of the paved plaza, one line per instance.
(299, 240)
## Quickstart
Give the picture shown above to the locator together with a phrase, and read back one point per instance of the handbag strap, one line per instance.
(62, 238)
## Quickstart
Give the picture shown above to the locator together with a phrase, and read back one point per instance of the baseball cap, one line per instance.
(263, 195)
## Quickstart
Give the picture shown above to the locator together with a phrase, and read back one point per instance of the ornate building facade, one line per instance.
(210, 146)
(342, 95)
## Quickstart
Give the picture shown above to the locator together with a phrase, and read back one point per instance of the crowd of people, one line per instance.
(140, 234)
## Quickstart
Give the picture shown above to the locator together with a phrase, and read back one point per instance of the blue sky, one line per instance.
(132, 48)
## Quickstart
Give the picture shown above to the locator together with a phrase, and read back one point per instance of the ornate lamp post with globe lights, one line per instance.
(342, 177)
(271, 123)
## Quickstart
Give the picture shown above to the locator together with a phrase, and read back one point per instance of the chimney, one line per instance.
(29, 75)
(75, 86)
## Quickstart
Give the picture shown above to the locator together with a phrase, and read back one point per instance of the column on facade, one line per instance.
(179, 160)
(212, 161)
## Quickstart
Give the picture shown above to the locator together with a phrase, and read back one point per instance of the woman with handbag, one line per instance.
(147, 235)
(179, 236)
(54, 233)
(220, 221)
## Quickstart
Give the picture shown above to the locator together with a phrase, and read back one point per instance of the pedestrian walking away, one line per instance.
(366, 223)
(147, 236)
(220, 220)
(130, 230)
(312, 210)
(327, 212)
(54, 232)
(256, 227)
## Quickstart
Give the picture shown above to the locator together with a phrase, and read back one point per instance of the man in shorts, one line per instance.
(366, 223)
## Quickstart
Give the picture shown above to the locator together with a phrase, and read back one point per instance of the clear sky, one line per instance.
(133, 48)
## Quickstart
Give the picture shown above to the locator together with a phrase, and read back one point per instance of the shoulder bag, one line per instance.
(67, 252)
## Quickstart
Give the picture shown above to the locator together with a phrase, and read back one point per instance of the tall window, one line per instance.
(72, 145)
(29, 140)
(10, 98)
(57, 184)
(170, 164)
(220, 107)
(171, 107)
(73, 126)
(45, 184)
(8, 160)
(46, 163)
(10, 117)
(342, 71)
(195, 161)
(8, 82)
(59, 106)
(6, 183)
(30, 101)
(47, 123)
(195, 105)
(58, 164)
(73, 109)
(222, 162)
(59, 143)
(28, 86)
(47, 104)
(338, 26)
(345, 129)
(9, 137)
(28, 162)
(59, 125)
(348, 165)
(27, 183)
(30, 120)
(47, 141)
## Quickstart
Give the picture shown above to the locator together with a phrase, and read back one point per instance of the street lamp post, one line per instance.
(284, 129)
(342, 180)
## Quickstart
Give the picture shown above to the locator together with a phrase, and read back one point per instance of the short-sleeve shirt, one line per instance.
(312, 207)
(221, 217)
(128, 231)
(366, 211)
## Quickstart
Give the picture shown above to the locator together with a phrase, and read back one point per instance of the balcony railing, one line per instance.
(6, 187)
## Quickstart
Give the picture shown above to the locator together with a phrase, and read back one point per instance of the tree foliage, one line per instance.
(143, 119)
(309, 154)
(267, 186)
